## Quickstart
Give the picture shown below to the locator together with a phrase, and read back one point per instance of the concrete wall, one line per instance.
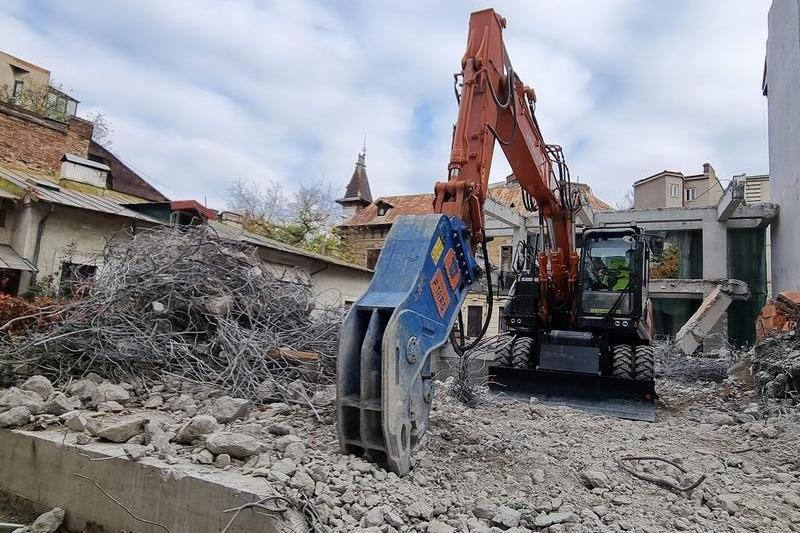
(41, 468)
(334, 285)
(35, 76)
(655, 193)
(338, 285)
(783, 96)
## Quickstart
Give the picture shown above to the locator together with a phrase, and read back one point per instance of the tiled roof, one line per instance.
(228, 231)
(507, 193)
(409, 204)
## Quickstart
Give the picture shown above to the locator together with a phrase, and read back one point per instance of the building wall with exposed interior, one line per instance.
(782, 89)
(36, 143)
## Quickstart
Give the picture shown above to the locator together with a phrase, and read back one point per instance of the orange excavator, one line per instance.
(579, 322)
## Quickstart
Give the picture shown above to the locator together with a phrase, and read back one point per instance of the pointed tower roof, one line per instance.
(357, 191)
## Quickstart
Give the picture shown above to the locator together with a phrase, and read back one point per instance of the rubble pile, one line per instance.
(779, 315)
(183, 303)
(505, 467)
(776, 366)
(673, 364)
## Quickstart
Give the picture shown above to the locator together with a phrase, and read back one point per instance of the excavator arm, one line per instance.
(384, 373)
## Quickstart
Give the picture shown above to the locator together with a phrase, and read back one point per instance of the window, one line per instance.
(501, 321)
(691, 194)
(9, 281)
(372, 257)
(609, 271)
(474, 320)
(505, 258)
(673, 190)
(73, 275)
(18, 88)
(383, 209)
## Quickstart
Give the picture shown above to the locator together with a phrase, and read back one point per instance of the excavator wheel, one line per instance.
(622, 361)
(521, 354)
(643, 363)
(503, 357)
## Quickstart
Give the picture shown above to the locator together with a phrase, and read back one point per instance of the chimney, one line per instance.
(82, 170)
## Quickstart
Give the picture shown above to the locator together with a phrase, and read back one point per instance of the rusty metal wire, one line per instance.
(185, 303)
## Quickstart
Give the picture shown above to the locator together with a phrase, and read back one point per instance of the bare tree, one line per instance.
(305, 218)
(626, 202)
(101, 133)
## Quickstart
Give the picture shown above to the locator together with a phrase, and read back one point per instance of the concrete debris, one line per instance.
(492, 469)
(38, 384)
(15, 397)
(237, 445)
(58, 404)
(506, 517)
(594, 478)
(121, 429)
(227, 409)
(194, 428)
(15, 417)
(48, 522)
(108, 392)
(776, 366)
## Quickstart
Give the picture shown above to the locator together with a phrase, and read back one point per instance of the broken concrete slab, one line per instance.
(236, 445)
(121, 429)
(38, 384)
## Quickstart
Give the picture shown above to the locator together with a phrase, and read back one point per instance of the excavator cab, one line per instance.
(604, 363)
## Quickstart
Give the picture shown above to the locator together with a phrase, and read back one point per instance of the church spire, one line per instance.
(357, 194)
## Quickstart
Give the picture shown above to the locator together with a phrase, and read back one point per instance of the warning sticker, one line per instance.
(439, 291)
(436, 251)
(452, 269)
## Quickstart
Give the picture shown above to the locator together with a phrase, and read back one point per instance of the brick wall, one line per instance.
(37, 143)
(359, 239)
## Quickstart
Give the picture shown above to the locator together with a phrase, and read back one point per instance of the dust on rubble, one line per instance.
(505, 466)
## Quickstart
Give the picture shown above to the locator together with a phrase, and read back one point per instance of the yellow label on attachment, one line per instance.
(436, 251)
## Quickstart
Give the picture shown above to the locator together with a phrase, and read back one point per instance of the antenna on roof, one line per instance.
(364, 146)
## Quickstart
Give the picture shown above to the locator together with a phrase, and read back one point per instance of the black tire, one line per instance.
(521, 353)
(503, 356)
(622, 361)
(644, 363)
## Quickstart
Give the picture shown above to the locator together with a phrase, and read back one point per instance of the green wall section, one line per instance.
(747, 261)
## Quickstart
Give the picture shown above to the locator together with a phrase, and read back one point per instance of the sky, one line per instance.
(200, 93)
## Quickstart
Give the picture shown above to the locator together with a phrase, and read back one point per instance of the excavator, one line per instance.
(579, 321)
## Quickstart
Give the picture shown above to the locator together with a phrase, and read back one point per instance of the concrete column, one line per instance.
(715, 249)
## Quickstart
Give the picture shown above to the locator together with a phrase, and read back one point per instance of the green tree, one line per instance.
(305, 218)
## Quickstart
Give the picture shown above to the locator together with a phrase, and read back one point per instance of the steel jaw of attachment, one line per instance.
(384, 376)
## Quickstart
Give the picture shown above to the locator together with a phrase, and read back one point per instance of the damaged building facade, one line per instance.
(715, 235)
(63, 196)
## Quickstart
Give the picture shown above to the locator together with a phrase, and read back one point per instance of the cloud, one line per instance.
(201, 92)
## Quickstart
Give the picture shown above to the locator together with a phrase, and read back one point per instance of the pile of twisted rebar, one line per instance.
(183, 303)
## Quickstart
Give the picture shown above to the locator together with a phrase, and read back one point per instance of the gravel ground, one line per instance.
(505, 466)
